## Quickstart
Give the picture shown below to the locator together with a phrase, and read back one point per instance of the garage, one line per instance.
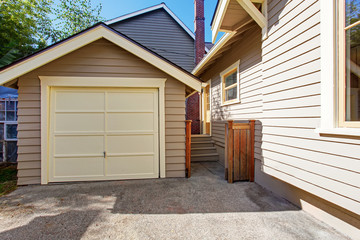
(99, 106)
(103, 134)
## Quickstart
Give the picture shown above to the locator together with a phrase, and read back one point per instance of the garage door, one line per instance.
(103, 134)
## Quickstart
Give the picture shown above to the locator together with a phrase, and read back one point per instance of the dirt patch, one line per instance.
(8, 178)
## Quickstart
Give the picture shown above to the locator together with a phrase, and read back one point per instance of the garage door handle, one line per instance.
(104, 154)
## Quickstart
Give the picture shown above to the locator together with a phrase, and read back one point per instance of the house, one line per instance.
(8, 124)
(99, 106)
(284, 64)
(160, 30)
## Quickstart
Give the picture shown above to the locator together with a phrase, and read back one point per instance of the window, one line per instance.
(230, 84)
(8, 129)
(349, 63)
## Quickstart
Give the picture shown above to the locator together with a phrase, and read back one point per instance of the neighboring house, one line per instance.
(278, 63)
(8, 124)
(160, 30)
(99, 106)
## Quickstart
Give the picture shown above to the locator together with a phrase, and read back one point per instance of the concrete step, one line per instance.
(209, 157)
(202, 144)
(203, 150)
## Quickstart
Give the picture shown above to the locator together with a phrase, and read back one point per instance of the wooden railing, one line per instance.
(239, 151)
(188, 149)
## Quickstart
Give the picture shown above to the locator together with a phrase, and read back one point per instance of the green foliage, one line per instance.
(9, 57)
(29, 25)
(7, 179)
(25, 26)
(73, 16)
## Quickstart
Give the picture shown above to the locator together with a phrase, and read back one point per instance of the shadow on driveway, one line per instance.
(69, 225)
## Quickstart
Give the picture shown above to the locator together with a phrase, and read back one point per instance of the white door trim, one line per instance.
(47, 82)
(202, 107)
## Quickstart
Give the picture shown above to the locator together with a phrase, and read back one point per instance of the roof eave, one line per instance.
(71, 44)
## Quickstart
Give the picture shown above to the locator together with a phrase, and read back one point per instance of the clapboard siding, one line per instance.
(105, 60)
(158, 31)
(282, 92)
(248, 50)
(327, 167)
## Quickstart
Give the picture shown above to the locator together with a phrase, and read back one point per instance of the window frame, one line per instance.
(341, 34)
(227, 72)
(329, 124)
(12, 122)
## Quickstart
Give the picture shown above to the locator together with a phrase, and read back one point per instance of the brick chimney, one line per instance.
(199, 22)
(192, 103)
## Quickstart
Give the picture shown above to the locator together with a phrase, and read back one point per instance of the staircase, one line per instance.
(203, 149)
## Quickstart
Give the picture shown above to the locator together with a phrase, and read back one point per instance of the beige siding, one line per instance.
(327, 167)
(319, 173)
(102, 59)
(248, 50)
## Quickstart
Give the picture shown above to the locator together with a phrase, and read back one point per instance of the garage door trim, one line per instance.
(47, 82)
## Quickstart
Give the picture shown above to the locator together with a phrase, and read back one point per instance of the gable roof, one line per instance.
(150, 9)
(98, 31)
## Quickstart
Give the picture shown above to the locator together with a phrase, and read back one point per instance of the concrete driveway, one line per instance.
(202, 207)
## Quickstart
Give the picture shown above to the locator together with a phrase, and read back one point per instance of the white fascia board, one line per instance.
(146, 10)
(218, 18)
(250, 8)
(224, 39)
(134, 14)
(85, 38)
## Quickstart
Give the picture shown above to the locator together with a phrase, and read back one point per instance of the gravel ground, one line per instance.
(202, 207)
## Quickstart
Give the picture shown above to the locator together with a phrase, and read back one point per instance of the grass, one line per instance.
(7, 179)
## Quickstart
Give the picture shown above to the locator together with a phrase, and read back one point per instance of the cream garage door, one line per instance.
(103, 134)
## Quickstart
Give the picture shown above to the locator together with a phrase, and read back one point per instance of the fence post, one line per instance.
(188, 148)
(252, 159)
(230, 151)
(226, 151)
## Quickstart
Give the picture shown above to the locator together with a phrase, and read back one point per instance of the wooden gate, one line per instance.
(239, 151)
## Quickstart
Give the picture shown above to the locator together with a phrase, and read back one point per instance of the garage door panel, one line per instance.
(133, 165)
(79, 145)
(131, 101)
(79, 101)
(130, 122)
(103, 134)
(80, 167)
(130, 144)
(79, 122)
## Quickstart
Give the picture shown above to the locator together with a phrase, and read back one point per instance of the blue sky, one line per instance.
(184, 9)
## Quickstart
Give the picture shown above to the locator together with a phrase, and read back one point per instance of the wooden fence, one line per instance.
(239, 151)
(188, 149)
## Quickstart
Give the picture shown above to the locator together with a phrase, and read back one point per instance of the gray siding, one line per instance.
(158, 31)
(102, 59)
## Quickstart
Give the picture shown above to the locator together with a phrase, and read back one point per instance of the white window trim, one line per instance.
(329, 101)
(228, 69)
(6, 122)
(61, 81)
(5, 131)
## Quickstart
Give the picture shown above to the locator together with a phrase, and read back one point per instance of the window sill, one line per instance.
(230, 103)
(354, 132)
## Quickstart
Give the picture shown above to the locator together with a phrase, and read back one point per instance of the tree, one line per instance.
(25, 26)
(73, 16)
(29, 25)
